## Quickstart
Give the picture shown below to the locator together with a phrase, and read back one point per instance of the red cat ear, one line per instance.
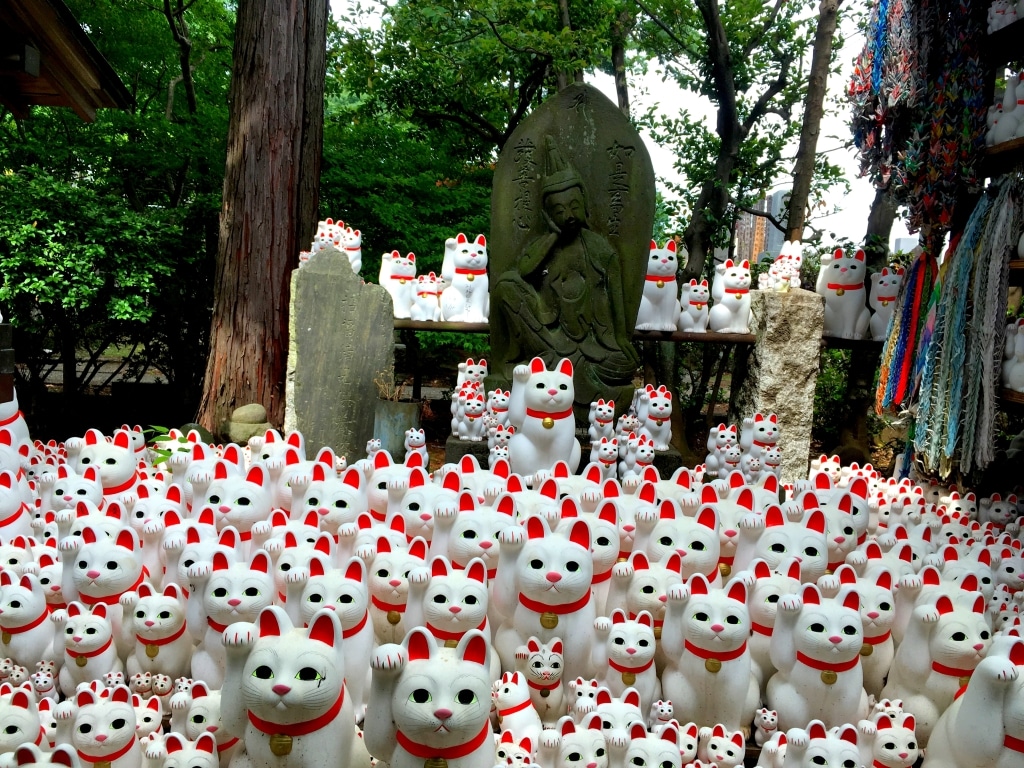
(507, 738)
(100, 609)
(474, 647)
(121, 694)
(631, 696)
(608, 513)
(566, 727)
(909, 722)
(556, 647)
(173, 743)
(737, 739)
(698, 584)
(852, 601)
(846, 574)
(565, 366)
(532, 645)
(816, 730)
(708, 518)
(943, 605)
(738, 591)
(637, 731)
(761, 569)
(439, 566)
(884, 580)
(537, 366)
(419, 644)
(1017, 654)
(206, 742)
(261, 562)
(639, 561)
(604, 696)
(324, 628)
(847, 732)
(535, 528)
(199, 689)
(816, 521)
(418, 548)
(477, 571)
(773, 517)
(810, 595)
(580, 534)
(268, 623)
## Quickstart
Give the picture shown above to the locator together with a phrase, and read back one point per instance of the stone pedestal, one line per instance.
(455, 449)
(341, 337)
(667, 462)
(783, 369)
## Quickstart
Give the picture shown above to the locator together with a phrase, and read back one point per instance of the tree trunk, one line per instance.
(880, 221)
(803, 168)
(620, 33)
(269, 210)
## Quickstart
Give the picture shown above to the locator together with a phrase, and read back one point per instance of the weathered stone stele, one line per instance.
(783, 369)
(572, 209)
(341, 335)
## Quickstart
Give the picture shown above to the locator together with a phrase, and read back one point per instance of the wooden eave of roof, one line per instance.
(71, 70)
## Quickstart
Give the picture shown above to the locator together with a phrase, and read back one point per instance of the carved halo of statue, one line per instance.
(571, 215)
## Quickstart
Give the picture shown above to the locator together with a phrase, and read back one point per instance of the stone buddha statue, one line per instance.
(565, 295)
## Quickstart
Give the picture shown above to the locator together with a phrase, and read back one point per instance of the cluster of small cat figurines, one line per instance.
(334, 235)
(460, 294)
(850, 312)
(722, 308)
(784, 272)
(467, 616)
(624, 448)
(1012, 373)
(479, 415)
(755, 451)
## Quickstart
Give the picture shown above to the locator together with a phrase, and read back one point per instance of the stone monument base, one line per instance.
(667, 462)
(455, 449)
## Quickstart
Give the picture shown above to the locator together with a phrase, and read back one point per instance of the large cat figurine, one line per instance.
(431, 705)
(398, 277)
(943, 644)
(540, 408)
(659, 305)
(817, 746)
(288, 702)
(648, 750)
(466, 299)
(708, 677)
(984, 726)
(731, 292)
(543, 588)
(157, 622)
(25, 634)
(816, 649)
(574, 745)
(103, 731)
(841, 282)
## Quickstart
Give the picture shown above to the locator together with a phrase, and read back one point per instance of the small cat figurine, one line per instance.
(466, 299)
(731, 292)
(766, 724)
(654, 409)
(659, 305)
(624, 655)
(389, 586)
(722, 748)
(606, 455)
(542, 664)
(416, 442)
(661, 714)
(602, 420)
(426, 306)
(116, 462)
(182, 753)
(26, 636)
(659, 750)
(431, 704)
(201, 707)
(19, 720)
(574, 745)
(841, 282)
(289, 695)
(157, 622)
(694, 307)
(352, 245)
(817, 746)
(398, 277)
(514, 706)
(104, 728)
(540, 408)
(889, 743)
(885, 285)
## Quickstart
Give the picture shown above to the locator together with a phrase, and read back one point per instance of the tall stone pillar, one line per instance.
(783, 369)
(341, 337)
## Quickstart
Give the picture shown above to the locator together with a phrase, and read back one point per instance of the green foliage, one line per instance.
(831, 404)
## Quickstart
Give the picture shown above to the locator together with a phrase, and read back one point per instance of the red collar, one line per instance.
(89, 654)
(42, 730)
(426, 293)
(608, 462)
(845, 666)
(126, 485)
(634, 670)
(403, 278)
(110, 599)
(347, 633)
(738, 291)
(26, 627)
(298, 729)
(664, 280)
(545, 415)
(517, 708)
(603, 421)
(443, 634)
(561, 610)
(878, 639)
(698, 304)
(216, 626)
(227, 745)
(445, 753)
(878, 764)
(845, 286)
(378, 517)
(759, 444)
(352, 247)
(1011, 742)
(542, 686)
(761, 629)
(704, 653)
(885, 299)
(107, 758)
(382, 606)
(465, 271)
(601, 578)
(51, 607)
(166, 640)
(18, 513)
(499, 410)
(942, 669)
(11, 419)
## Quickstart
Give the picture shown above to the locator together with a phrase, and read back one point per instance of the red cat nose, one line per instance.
(553, 577)
(552, 392)
(835, 639)
(455, 609)
(55, 588)
(150, 622)
(904, 755)
(663, 598)
(93, 574)
(631, 651)
(234, 601)
(280, 689)
(840, 539)
(485, 545)
(979, 646)
(717, 627)
(730, 533)
(629, 528)
(873, 614)
(101, 737)
(424, 516)
(323, 511)
(395, 583)
(442, 714)
(211, 729)
(223, 508)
